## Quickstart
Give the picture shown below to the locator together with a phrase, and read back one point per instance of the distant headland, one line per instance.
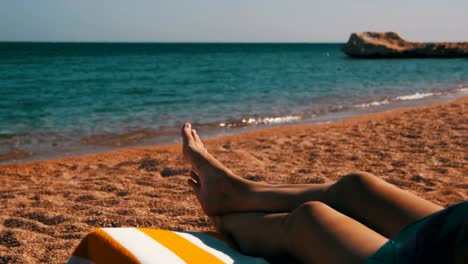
(391, 45)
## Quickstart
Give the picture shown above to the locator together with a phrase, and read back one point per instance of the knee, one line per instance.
(302, 219)
(356, 182)
(305, 214)
(311, 209)
(358, 179)
(350, 185)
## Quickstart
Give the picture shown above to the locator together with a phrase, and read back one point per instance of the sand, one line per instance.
(48, 206)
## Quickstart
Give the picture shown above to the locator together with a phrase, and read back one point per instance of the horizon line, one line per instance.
(171, 42)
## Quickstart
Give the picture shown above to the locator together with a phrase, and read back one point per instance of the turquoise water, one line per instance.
(52, 95)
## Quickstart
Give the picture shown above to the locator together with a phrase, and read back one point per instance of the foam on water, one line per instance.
(462, 88)
(262, 121)
(373, 103)
(415, 96)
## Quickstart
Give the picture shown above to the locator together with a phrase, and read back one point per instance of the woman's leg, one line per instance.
(312, 233)
(378, 204)
(220, 191)
(374, 202)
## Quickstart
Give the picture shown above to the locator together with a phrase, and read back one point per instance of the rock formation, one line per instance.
(391, 45)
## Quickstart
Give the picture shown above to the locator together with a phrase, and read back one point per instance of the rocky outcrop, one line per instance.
(391, 45)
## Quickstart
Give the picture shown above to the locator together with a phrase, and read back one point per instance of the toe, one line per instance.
(194, 176)
(197, 138)
(195, 185)
(196, 189)
(187, 133)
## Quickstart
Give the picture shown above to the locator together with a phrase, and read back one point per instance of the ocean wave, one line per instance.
(408, 97)
(261, 121)
(415, 96)
(373, 103)
(462, 88)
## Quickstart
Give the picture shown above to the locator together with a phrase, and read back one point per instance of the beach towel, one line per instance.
(143, 245)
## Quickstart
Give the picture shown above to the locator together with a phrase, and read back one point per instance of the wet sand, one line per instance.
(48, 206)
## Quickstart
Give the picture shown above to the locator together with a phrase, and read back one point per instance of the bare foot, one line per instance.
(216, 187)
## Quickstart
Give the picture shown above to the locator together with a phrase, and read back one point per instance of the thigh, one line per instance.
(378, 204)
(316, 233)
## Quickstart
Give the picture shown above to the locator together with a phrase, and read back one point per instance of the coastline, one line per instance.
(56, 145)
(48, 206)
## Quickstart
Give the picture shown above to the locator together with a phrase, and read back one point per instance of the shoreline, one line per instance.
(49, 206)
(100, 143)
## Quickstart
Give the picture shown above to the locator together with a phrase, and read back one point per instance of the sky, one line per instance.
(229, 20)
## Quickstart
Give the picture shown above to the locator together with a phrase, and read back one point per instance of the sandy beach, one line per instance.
(48, 206)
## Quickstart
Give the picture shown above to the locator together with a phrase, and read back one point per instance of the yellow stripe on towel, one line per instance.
(100, 247)
(183, 248)
(143, 247)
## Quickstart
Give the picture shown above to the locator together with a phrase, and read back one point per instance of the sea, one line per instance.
(62, 99)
